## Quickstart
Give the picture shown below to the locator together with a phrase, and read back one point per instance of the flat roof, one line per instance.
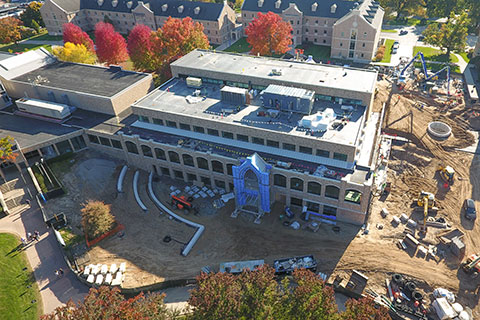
(83, 78)
(176, 98)
(30, 132)
(320, 75)
(5, 55)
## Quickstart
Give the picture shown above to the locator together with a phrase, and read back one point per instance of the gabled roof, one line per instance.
(208, 10)
(323, 7)
(68, 5)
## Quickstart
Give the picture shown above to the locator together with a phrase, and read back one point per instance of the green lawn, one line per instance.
(22, 47)
(240, 46)
(17, 284)
(388, 51)
(46, 37)
(318, 52)
(389, 30)
(435, 54)
(464, 56)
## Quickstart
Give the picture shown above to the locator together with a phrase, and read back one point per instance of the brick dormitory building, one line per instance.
(218, 19)
(351, 28)
(269, 130)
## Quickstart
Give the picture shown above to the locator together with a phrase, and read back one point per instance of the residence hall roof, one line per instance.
(323, 7)
(208, 10)
(68, 5)
(83, 78)
(293, 73)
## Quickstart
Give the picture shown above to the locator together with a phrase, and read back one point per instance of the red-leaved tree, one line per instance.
(74, 34)
(140, 48)
(111, 46)
(364, 309)
(268, 34)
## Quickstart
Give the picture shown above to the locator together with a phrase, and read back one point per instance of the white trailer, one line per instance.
(43, 108)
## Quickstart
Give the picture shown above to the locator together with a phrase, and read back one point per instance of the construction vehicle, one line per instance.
(446, 173)
(426, 200)
(402, 79)
(472, 264)
(182, 203)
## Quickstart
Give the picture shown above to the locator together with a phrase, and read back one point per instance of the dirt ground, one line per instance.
(411, 169)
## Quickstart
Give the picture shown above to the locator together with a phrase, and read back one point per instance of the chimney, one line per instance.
(164, 7)
(260, 3)
(180, 9)
(314, 7)
(278, 3)
(196, 10)
(333, 8)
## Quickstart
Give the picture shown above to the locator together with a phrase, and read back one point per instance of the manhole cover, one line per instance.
(167, 239)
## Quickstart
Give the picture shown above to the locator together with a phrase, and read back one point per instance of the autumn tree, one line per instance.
(140, 48)
(364, 309)
(108, 303)
(258, 295)
(6, 152)
(111, 46)
(74, 53)
(10, 30)
(74, 34)
(268, 34)
(32, 15)
(96, 219)
(449, 36)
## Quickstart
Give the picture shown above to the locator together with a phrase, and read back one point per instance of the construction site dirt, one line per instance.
(412, 169)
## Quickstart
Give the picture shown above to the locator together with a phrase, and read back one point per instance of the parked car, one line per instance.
(470, 210)
(394, 50)
(403, 32)
(421, 38)
(395, 45)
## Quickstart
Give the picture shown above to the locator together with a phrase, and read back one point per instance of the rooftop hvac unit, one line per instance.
(234, 95)
(193, 82)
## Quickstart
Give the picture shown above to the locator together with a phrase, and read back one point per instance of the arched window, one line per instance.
(131, 147)
(202, 163)
(296, 184)
(314, 188)
(279, 180)
(332, 192)
(188, 160)
(229, 169)
(217, 166)
(160, 154)
(147, 151)
(173, 156)
(353, 196)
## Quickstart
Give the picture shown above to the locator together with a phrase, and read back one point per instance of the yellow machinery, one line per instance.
(446, 173)
(427, 201)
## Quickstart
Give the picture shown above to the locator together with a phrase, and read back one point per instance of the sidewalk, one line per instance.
(45, 257)
(40, 42)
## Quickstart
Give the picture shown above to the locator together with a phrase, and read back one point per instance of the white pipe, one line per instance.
(200, 229)
(135, 191)
(121, 177)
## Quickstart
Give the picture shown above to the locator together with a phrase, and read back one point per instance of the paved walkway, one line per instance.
(41, 42)
(45, 257)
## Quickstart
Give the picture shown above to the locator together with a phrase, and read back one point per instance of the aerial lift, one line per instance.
(402, 79)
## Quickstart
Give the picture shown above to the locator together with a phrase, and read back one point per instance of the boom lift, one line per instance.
(183, 203)
(427, 201)
(401, 78)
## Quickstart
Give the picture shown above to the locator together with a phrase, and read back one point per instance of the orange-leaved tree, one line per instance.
(6, 152)
(10, 30)
(268, 34)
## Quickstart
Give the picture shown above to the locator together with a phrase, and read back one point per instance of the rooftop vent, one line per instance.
(314, 6)
(180, 9)
(196, 10)
(129, 4)
(333, 8)
(114, 3)
(260, 3)
(99, 2)
(164, 7)
(278, 3)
